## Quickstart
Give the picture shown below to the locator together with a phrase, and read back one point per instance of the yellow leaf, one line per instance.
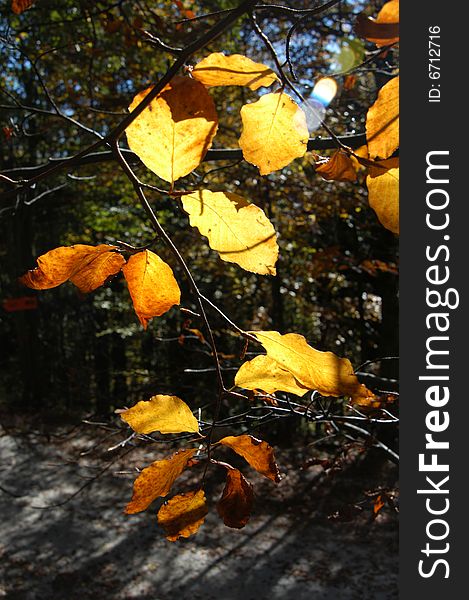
(87, 267)
(240, 232)
(166, 414)
(151, 285)
(235, 505)
(263, 373)
(157, 479)
(183, 515)
(382, 121)
(172, 135)
(274, 132)
(259, 454)
(338, 168)
(236, 69)
(383, 194)
(322, 371)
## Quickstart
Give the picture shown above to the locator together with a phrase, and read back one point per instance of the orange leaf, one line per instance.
(87, 267)
(235, 505)
(151, 285)
(338, 168)
(19, 6)
(172, 135)
(157, 479)
(378, 504)
(259, 454)
(384, 29)
(183, 515)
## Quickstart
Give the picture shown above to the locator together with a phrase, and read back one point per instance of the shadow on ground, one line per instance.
(88, 549)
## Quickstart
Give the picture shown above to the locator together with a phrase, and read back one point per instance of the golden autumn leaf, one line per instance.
(259, 454)
(19, 6)
(235, 505)
(151, 284)
(183, 515)
(172, 135)
(240, 232)
(338, 168)
(166, 414)
(157, 479)
(235, 69)
(383, 193)
(87, 267)
(274, 132)
(322, 371)
(382, 121)
(263, 373)
(384, 29)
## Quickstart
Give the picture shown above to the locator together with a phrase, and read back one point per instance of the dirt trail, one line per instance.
(89, 550)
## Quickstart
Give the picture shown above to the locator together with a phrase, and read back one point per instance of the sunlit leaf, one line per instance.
(240, 232)
(157, 479)
(172, 135)
(383, 193)
(259, 454)
(166, 414)
(274, 132)
(151, 284)
(322, 371)
(236, 69)
(263, 373)
(338, 168)
(235, 505)
(87, 267)
(382, 121)
(183, 515)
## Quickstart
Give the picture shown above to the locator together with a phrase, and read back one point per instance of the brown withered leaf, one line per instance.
(263, 373)
(172, 135)
(19, 6)
(274, 132)
(383, 194)
(183, 515)
(384, 29)
(166, 414)
(151, 284)
(235, 69)
(239, 231)
(156, 480)
(235, 505)
(87, 267)
(259, 454)
(316, 370)
(374, 266)
(338, 168)
(382, 121)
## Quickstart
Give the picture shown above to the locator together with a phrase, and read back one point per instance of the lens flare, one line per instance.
(314, 112)
(325, 90)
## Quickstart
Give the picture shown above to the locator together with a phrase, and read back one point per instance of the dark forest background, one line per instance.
(73, 355)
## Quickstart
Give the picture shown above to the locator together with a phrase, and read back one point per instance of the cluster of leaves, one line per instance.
(171, 135)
